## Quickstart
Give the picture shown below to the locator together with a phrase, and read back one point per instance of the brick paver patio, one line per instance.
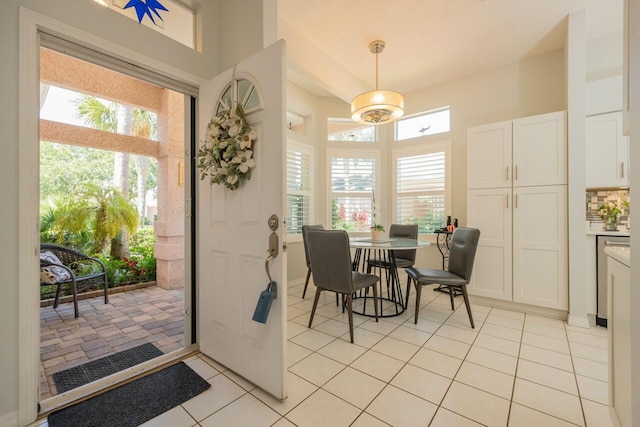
(132, 318)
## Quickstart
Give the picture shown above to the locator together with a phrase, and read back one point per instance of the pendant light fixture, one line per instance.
(377, 106)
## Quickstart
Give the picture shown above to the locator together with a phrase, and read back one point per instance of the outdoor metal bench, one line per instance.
(73, 267)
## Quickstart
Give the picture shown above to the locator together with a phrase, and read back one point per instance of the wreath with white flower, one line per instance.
(226, 154)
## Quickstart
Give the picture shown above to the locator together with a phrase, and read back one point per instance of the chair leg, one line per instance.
(466, 302)
(75, 300)
(106, 292)
(56, 300)
(451, 291)
(375, 300)
(306, 283)
(350, 310)
(315, 304)
(418, 294)
(406, 303)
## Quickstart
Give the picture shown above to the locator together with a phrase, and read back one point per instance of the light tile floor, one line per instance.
(514, 369)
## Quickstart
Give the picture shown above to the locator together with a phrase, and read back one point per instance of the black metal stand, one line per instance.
(443, 239)
(390, 305)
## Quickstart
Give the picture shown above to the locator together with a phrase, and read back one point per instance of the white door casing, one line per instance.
(232, 235)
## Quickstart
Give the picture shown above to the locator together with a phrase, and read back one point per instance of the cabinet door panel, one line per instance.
(606, 151)
(490, 211)
(540, 150)
(540, 256)
(489, 156)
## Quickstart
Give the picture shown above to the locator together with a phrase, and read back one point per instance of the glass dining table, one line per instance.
(391, 300)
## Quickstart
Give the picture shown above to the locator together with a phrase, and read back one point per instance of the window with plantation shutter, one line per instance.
(299, 187)
(422, 185)
(352, 178)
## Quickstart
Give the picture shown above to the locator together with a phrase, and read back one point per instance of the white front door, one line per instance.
(232, 233)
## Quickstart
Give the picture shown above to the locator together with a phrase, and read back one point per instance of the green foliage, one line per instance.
(143, 241)
(63, 167)
(96, 114)
(89, 213)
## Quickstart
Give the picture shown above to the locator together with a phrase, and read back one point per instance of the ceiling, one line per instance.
(432, 41)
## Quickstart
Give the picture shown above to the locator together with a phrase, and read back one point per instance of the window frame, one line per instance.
(376, 133)
(422, 148)
(421, 114)
(364, 153)
(309, 149)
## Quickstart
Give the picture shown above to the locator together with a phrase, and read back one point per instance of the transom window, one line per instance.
(178, 22)
(347, 130)
(241, 90)
(428, 123)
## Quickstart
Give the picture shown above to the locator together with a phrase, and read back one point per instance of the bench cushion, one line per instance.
(53, 274)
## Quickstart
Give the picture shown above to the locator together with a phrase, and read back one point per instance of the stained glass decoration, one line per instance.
(145, 7)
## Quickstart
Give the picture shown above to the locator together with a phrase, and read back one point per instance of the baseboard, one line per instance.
(580, 322)
(9, 420)
(524, 308)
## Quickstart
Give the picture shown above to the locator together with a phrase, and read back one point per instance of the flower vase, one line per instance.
(376, 234)
(610, 224)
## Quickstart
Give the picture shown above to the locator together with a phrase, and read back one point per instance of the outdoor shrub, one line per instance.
(116, 271)
(142, 242)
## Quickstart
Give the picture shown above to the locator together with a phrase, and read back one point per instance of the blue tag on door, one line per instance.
(264, 303)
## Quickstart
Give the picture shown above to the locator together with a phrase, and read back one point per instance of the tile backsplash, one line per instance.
(596, 198)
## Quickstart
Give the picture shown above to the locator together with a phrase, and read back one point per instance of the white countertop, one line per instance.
(622, 254)
(626, 233)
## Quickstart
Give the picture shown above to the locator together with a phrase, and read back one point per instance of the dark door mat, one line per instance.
(134, 403)
(84, 374)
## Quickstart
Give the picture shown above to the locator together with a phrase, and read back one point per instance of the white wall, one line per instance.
(576, 70)
(305, 104)
(604, 56)
(531, 86)
(90, 17)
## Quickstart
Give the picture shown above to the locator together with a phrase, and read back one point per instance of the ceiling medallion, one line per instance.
(377, 106)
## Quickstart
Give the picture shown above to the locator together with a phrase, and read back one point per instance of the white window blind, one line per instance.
(299, 187)
(422, 186)
(353, 180)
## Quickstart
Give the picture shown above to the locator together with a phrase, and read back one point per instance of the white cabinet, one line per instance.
(619, 332)
(489, 155)
(519, 153)
(489, 210)
(540, 246)
(607, 152)
(540, 150)
(517, 198)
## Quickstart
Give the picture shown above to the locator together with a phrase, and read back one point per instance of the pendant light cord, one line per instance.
(376, 70)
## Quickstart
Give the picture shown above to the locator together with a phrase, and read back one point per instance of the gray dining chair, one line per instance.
(306, 228)
(404, 258)
(462, 252)
(332, 270)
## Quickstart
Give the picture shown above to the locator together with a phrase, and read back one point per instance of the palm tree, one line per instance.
(123, 119)
(103, 211)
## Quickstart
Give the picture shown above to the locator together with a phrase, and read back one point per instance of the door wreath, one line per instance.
(226, 154)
